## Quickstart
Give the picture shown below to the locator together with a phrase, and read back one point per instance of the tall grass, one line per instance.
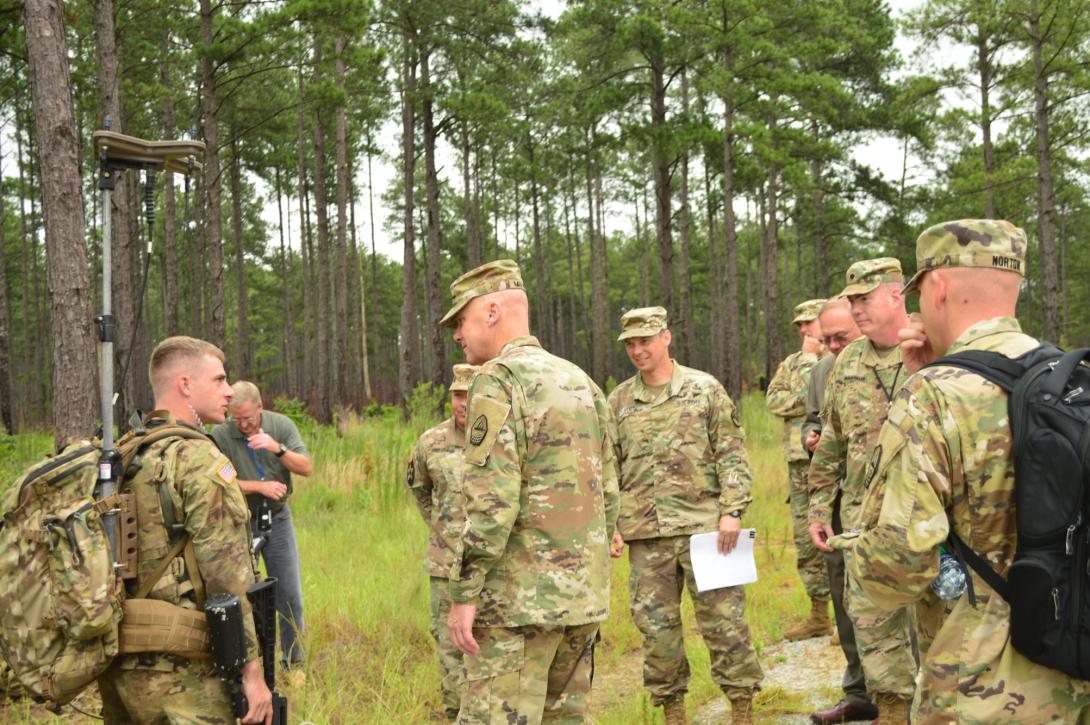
(370, 655)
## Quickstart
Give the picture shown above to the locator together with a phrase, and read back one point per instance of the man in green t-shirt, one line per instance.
(265, 449)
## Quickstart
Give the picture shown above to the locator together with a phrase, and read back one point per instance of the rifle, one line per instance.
(225, 628)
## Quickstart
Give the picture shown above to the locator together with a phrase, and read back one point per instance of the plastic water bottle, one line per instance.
(950, 583)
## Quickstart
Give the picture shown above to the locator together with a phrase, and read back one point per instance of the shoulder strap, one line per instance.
(965, 554)
(993, 366)
(145, 587)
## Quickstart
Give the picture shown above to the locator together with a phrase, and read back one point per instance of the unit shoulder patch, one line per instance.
(488, 416)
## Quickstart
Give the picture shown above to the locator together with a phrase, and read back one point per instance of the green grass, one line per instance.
(362, 544)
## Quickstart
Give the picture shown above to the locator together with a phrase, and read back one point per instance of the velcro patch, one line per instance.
(488, 416)
(227, 472)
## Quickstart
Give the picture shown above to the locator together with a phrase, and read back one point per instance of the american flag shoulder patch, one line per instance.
(227, 472)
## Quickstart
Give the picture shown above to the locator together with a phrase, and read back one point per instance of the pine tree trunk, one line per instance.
(408, 351)
(599, 302)
(821, 242)
(684, 323)
(7, 406)
(170, 210)
(340, 298)
(645, 263)
(1046, 202)
(732, 338)
(770, 279)
(287, 277)
(542, 301)
(433, 288)
(984, 69)
(213, 218)
(660, 162)
(716, 307)
(24, 254)
(242, 331)
(70, 296)
(306, 380)
(325, 372)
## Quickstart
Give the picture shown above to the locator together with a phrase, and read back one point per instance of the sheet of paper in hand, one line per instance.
(712, 570)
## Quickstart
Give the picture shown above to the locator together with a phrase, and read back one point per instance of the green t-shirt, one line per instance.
(261, 465)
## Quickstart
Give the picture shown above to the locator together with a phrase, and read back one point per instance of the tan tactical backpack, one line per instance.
(61, 595)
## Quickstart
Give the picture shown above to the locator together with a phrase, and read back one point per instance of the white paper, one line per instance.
(712, 570)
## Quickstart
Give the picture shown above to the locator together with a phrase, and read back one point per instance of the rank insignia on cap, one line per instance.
(227, 472)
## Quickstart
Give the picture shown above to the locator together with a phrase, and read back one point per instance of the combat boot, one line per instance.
(741, 711)
(817, 625)
(674, 710)
(892, 709)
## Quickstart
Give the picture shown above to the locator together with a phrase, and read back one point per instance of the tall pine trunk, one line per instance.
(242, 331)
(984, 70)
(7, 407)
(325, 372)
(170, 211)
(340, 298)
(213, 218)
(306, 380)
(432, 290)
(684, 323)
(69, 291)
(660, 162)
(1046, 202)
(732, 337)
(408, 351)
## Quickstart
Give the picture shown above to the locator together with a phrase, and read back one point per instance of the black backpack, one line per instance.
(1048, 584)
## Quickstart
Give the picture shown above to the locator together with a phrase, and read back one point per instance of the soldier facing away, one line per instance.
(190, 388)
(434, 476)
(786, 398)
(684, 471)
(540, 482)
(866, 376)
(944, 459)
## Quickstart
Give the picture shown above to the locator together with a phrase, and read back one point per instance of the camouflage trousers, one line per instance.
(528, 675)
(886, 641)
(660, 568)
(164, 690)
(450, 657)
(808, 559)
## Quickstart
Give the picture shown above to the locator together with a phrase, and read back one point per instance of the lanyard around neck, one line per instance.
(259, 460)
(888, 393)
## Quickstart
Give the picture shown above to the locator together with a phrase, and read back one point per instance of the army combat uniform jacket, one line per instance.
(435, 479)
(540, 484)
(786, 398)
(815, 397)
(945, 459)
(682, 454)
(862, 384)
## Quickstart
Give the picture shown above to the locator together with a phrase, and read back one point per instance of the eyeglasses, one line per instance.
(841, 339)
(247, 419)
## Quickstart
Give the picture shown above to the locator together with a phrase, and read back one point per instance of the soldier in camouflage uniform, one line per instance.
(684, 471)
(191, 389)
(866, 376)
(540, 483)
(435, 478)
(838, 330)
(944, 458)
(786, 398)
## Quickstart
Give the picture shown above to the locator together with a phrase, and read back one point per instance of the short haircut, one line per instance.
(244, 391)
(176, 349)
(834, 302)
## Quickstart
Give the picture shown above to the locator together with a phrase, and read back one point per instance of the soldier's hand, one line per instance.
(616, 547)
(820, 534)
(262, 441)
(728, 534)
(916, 350)
(460, 624)
(811, 345)
(811, 441)
(257, 694)
(274, 490)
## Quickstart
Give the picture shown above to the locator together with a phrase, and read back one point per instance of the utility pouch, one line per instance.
(152, 625)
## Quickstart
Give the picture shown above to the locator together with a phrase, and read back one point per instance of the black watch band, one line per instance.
(282, 451)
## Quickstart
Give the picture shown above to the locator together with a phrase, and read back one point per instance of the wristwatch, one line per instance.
(735, 514)
(281, 451)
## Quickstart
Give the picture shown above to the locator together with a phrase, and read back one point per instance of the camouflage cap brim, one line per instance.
(639, 332)
(860, 288)
(448, 319)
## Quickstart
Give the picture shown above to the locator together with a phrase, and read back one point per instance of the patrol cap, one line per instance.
(642, 322)
(865, 276)
(807, 311)
(988, 243)
(494, 276)
(463, 373)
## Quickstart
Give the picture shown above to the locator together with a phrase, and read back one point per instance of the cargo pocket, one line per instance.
(79, 564)
(493, 677)
(1040, 599)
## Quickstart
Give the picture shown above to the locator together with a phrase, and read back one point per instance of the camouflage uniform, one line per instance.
(786, 398)
(945, 459)
(862, 384)
(435, 478)
(540, 485)
(200, 483)
(683, 466)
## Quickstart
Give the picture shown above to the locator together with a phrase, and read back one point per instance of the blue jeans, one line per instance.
(281, 557)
